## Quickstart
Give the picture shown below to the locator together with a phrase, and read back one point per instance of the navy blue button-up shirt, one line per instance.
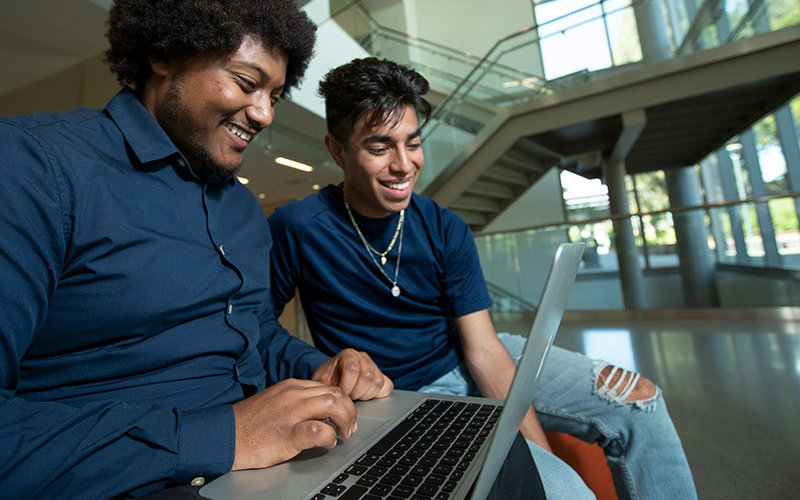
(134, 308)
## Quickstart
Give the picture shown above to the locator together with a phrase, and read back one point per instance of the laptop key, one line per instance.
(333, 489)
(412, 480)
(390, 479)
(367, 480)
(403, 491)
(427, 489)
(380, 490)
(392, 437)
(353, 493)
(449, 486)
(368, 459)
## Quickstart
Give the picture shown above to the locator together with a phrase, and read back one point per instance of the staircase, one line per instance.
(486, 147)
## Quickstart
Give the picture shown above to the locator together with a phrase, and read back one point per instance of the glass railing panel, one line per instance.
(515, 263)
(717, 22)
(787, 237)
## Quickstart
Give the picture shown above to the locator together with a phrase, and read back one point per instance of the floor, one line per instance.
(731, 380)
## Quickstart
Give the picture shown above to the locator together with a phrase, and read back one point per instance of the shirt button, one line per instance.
(181, 163)
(198, 481)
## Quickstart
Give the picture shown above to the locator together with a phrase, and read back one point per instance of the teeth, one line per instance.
(241, 133)
(399, 187)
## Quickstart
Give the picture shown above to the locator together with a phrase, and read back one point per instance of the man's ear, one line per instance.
(159, 66)
(335, 149)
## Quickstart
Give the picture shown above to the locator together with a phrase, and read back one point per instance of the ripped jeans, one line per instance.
(640, 442)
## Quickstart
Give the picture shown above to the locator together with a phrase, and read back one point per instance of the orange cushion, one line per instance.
(588, 460)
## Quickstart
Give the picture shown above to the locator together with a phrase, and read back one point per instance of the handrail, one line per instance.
(754, 7)
(464, 57)
(673, 210)
(435, 116)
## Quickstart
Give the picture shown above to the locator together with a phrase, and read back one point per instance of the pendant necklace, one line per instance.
(382, 255)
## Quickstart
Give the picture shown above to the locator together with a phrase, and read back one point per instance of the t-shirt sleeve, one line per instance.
(284, 267)
(284, 355)
(465, 287)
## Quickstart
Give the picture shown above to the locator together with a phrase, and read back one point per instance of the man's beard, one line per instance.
(211, 171)
(207, 169)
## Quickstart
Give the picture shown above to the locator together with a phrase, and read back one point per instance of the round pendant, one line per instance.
(395, 291)
(383, 260)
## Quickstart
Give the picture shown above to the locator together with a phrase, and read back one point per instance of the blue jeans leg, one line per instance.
(643, 449)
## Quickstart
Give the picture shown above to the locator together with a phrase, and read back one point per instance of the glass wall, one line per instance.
(749, 210)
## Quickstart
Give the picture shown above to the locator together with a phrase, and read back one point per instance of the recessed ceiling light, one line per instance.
(262, 196)
(294, 164)
(316, 187)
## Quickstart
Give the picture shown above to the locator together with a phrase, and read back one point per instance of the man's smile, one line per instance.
(241, 133)
(398, 186)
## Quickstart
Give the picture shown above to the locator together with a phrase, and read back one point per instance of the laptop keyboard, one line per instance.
(422, 457)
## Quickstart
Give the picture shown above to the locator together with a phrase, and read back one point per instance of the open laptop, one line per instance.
(413, 443)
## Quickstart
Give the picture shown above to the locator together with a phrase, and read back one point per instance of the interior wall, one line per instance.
(472, 26)
(87, 84)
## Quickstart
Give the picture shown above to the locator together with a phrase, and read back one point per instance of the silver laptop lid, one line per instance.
(543, 331)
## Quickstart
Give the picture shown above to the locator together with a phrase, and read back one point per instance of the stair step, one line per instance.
(491, 190)
(476, 204)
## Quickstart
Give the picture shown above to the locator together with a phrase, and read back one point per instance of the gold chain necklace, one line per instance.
(370, 250)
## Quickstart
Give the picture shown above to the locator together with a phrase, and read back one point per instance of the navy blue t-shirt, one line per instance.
(348, 301)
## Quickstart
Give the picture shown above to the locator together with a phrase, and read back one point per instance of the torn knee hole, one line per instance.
(623, 385)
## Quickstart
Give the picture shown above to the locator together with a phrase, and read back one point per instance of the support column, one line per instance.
(730, 193)
(651, 27)
(709, 179)
(771, 256)
(630, 272)
(698, 273)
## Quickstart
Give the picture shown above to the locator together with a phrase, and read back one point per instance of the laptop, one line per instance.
(412, 443)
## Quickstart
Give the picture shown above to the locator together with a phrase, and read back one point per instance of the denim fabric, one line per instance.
(643, 449)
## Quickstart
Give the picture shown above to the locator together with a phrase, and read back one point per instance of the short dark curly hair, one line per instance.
(167, 29)
(378, 87)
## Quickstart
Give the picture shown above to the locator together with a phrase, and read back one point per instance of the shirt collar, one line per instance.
(144, 135)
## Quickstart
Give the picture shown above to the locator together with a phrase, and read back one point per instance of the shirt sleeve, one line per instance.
(100, 449)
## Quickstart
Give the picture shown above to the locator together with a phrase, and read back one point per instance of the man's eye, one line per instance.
(247, 84)
(377, 151)
(415, 145)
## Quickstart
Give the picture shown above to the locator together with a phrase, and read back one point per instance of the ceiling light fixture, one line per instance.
(294, 164)
(243, 180)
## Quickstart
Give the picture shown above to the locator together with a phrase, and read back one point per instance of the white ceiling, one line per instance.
(40, 38)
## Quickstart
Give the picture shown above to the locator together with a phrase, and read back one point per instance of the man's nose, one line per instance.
(261, 110)
(401, 162)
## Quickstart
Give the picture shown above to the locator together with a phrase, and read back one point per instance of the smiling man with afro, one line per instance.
(139, 353)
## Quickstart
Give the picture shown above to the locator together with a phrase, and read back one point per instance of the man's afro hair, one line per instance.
(166, 29)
